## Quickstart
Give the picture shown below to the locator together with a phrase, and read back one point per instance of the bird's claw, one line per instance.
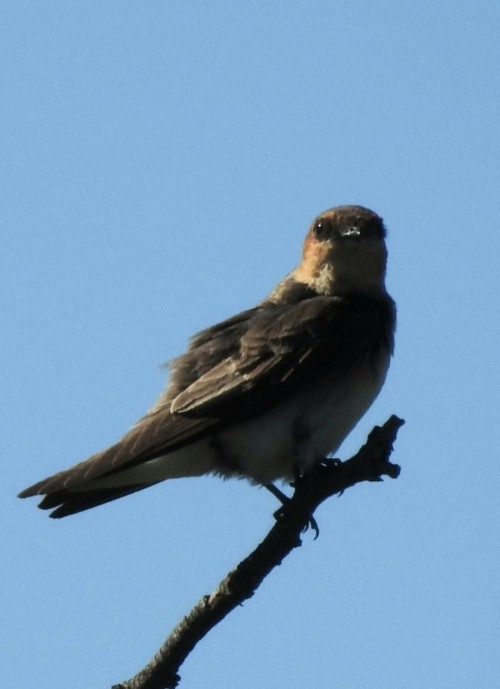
(313, 524)
(310, 524)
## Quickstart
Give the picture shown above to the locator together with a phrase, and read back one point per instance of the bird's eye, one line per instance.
(321, 229)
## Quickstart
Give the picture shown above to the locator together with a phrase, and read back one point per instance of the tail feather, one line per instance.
(68, 502)
(94, 482)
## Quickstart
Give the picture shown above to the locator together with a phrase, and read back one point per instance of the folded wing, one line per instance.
(236, 370)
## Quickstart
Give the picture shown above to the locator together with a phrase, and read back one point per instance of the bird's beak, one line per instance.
(352, 231)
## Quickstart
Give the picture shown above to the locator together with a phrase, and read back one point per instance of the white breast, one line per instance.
(304, 429)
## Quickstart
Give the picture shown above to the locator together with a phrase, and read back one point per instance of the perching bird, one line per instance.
(268, 393)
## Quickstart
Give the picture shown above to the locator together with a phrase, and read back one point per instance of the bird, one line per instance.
(269, 393)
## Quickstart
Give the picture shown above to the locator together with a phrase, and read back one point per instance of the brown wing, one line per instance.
(286, 349)
(237, 370)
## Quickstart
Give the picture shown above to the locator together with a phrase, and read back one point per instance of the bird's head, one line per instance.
(344, 250)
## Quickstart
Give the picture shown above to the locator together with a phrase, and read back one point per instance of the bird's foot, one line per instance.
(311, 523)
(285, 500)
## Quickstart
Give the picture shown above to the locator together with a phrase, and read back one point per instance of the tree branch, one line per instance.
(327, 479)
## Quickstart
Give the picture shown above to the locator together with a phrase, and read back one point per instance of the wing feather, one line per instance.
(239, 369)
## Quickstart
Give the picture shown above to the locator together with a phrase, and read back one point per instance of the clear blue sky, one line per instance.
(160, 164)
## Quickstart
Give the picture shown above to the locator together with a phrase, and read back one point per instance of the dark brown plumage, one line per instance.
(328, 320)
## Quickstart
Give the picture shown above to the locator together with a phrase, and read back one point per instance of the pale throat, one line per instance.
(358, 271)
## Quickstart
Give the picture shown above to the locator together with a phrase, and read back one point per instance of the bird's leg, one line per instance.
(277, 493)
(284, 499)
(300, 475)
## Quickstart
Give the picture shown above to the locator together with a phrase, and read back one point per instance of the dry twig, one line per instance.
(329, 478)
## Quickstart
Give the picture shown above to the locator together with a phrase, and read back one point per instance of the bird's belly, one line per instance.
(301, 431)
(289, 438)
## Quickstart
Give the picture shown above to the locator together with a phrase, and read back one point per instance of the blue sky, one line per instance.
(161, 162)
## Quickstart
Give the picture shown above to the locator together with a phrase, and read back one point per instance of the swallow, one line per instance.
(269, 393)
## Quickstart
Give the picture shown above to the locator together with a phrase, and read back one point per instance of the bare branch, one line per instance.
(327, 479)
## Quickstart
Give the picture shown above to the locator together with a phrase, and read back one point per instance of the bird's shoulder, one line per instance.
(299, 335)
